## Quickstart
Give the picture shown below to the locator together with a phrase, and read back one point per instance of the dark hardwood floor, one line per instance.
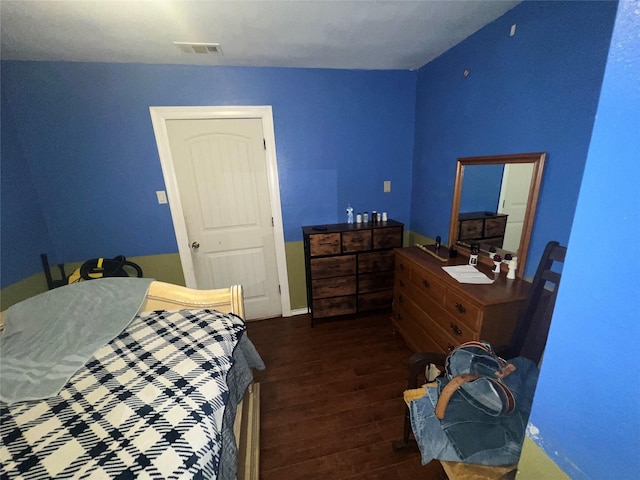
(331, 400)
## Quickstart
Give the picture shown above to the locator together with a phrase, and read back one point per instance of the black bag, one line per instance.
(105, 267)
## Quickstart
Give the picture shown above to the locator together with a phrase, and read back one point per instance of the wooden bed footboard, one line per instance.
(166, 296)
(247, 431)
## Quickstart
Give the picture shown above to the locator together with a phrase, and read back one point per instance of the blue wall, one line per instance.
(481, 190)
(535, 91)
(587, 405)
(85, 133)
(24, 234)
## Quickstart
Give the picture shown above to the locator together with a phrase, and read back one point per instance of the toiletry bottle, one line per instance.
(349, 214)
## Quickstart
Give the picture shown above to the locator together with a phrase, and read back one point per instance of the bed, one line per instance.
(169, 396)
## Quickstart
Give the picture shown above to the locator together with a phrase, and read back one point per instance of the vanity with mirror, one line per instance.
(494, 205)
(493, 208)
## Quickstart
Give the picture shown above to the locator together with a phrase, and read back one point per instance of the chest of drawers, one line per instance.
(481, 227)
(434, 312)
(350, 267)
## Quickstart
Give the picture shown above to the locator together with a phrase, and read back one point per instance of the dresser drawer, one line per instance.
(376, 261)
(430, 318)
(495, 227)
(402, 266)
(415, 337)
(428, 284)
(457, 332)
(452, 335)
(432, 314)
(333, 266)
(371, 282)
(375, 300)
(356, 241)
(330, 307)
(400, 279)
(460, 308)
(387, 237)
(324, 244)
(470, 229)
(333, 287)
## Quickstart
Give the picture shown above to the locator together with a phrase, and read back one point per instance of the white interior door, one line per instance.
(222, 180)
(514, 195)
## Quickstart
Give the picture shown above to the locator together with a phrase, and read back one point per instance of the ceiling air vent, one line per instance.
(201, 48)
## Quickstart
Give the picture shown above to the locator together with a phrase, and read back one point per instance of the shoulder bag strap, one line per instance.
(459, 380)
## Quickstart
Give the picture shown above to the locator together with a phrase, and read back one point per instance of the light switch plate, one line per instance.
(162, 196)
(387, 186)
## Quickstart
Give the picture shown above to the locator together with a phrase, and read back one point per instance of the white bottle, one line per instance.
(513, 264)
(349, 214)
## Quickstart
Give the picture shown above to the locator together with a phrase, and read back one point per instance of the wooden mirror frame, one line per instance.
(537, 159)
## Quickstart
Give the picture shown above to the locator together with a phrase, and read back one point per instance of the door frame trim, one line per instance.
(159, 116)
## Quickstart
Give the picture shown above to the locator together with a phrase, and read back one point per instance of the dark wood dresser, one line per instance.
(482, 227)
(435, 313)
(350, 267)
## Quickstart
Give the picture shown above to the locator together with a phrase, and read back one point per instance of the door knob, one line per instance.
(195, 245)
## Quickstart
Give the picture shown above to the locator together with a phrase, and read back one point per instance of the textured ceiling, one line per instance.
(362, 34)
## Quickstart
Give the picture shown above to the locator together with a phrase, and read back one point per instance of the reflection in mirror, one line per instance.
(494, 204)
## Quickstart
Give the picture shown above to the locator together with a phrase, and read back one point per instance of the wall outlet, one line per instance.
(387, 186)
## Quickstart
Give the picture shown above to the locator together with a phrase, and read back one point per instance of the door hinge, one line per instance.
(272, 224)
(279, 291)
(264, 142)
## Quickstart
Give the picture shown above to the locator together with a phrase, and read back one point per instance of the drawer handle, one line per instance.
(402, 266)
(455, 328)
(450, 347)
(401, 283)
(426, 283)
(460, 308)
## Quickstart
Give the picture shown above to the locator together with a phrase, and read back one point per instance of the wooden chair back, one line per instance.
(532, 329)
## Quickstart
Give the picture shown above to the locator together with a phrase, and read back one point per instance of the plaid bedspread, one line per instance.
(149, 404)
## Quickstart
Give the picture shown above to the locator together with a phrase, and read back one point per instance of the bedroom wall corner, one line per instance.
(411, 238)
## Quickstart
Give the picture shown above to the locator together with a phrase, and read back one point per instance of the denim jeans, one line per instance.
(469, 434)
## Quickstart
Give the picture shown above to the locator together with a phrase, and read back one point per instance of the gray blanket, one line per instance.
(49, 337)
(245, 357)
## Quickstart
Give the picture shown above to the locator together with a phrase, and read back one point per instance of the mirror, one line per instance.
(494, 205)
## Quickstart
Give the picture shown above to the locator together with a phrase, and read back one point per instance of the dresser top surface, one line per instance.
(500, 291)
(347, 227)
(479, 215)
